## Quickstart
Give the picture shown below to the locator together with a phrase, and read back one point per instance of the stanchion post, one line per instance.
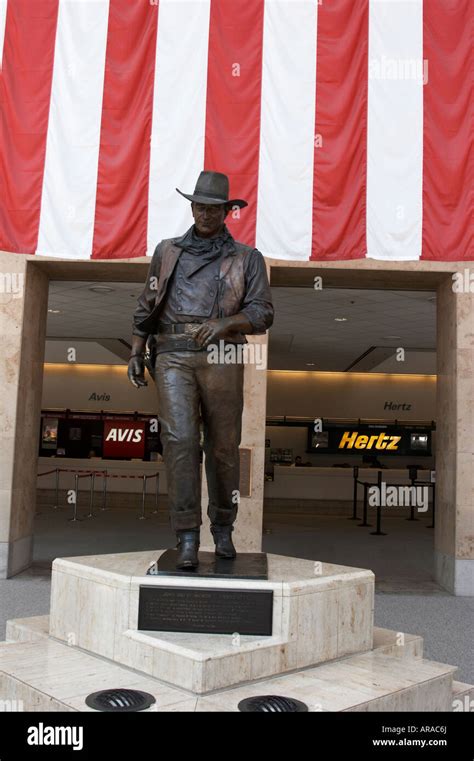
(90, 514)
(104, 491)
(76, 495)
(157, 481)
(413, 477)
(377, 531)
(364, 514)
(56, 502)
(355, 473)
(142, 517)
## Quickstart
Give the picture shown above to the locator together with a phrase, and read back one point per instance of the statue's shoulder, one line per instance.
(166, 244)
(244, 250)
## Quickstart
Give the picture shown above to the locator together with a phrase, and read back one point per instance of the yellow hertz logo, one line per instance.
(351, 439)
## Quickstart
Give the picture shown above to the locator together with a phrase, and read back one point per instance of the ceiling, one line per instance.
(306, 330)
(305, 335)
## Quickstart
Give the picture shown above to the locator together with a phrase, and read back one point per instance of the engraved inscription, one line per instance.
(220, 611)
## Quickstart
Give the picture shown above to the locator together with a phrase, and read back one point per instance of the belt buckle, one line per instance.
(192, 328)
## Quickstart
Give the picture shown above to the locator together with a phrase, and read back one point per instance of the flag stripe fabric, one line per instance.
(347, 126)
(28, 55)
(395, 130)
(340, 148)
(72, 150)
(124, 156)
(3, 18)
(234, 82)
(285, 188)
(448, 156)
(179, 115)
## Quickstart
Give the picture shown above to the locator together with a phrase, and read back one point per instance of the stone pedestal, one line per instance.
(323, 649)
(320, 612)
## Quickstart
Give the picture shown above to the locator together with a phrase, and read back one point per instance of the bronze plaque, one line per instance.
(212, 611)
(245, 485)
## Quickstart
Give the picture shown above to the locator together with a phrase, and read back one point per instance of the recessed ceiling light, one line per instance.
(390, 337)
(309, 364)
(102, 289)
(340, 319)
(54, 311)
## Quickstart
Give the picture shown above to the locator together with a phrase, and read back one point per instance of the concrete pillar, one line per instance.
(23, 311)
(248, 527)
(454, 532)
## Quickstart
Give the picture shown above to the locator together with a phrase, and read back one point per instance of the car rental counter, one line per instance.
(329, 484)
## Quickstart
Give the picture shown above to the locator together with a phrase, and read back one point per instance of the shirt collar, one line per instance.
(230, 245)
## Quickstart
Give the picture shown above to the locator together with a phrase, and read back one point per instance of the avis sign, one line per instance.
(124, 438)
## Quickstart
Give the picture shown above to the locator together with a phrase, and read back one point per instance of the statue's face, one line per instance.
(208, 218)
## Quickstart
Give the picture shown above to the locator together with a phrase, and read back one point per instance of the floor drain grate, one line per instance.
(272, 704)
(120, 700)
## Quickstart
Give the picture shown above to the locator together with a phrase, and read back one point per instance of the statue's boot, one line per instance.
(188, 546)
(223, 541)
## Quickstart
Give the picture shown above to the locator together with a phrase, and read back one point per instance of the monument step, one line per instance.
(399, 643)
(46, 675)
(385, 641)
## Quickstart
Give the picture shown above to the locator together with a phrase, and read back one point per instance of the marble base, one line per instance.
(320, 612)
(38, 673)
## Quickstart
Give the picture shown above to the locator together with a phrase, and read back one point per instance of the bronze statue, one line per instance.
(202, 288)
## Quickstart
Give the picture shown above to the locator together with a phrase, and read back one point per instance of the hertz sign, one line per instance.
(371, 439)
(378, 441)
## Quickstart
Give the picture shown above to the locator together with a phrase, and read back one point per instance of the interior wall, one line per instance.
(359, 395)
(304, 394)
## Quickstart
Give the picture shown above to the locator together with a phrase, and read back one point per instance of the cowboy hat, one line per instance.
(213, 188)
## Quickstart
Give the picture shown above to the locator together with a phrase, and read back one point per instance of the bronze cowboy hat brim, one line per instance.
(213, 188)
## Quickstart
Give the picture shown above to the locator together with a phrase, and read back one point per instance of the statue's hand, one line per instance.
(211, 330)
(136, 371)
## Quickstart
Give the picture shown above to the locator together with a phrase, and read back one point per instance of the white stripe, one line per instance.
(395, 130)
(3, 19)
(179, 115)
(285, 192)
(72, 150)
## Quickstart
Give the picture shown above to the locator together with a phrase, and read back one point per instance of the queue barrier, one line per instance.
(366, 484)
(105, 475)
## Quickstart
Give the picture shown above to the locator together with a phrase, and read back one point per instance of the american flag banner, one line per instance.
(348, 125)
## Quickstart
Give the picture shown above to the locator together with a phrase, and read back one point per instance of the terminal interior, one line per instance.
(351, 394)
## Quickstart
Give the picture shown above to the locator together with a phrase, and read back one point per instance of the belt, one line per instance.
(178, 327)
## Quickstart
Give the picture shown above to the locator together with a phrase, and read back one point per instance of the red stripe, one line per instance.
(448, 124)
(121, 214)
(28, 57)
(232, 142)
(340, 164)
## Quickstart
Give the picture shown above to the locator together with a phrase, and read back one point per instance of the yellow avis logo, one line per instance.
(354, 440)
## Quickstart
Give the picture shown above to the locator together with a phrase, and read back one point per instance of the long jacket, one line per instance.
(243, 287)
